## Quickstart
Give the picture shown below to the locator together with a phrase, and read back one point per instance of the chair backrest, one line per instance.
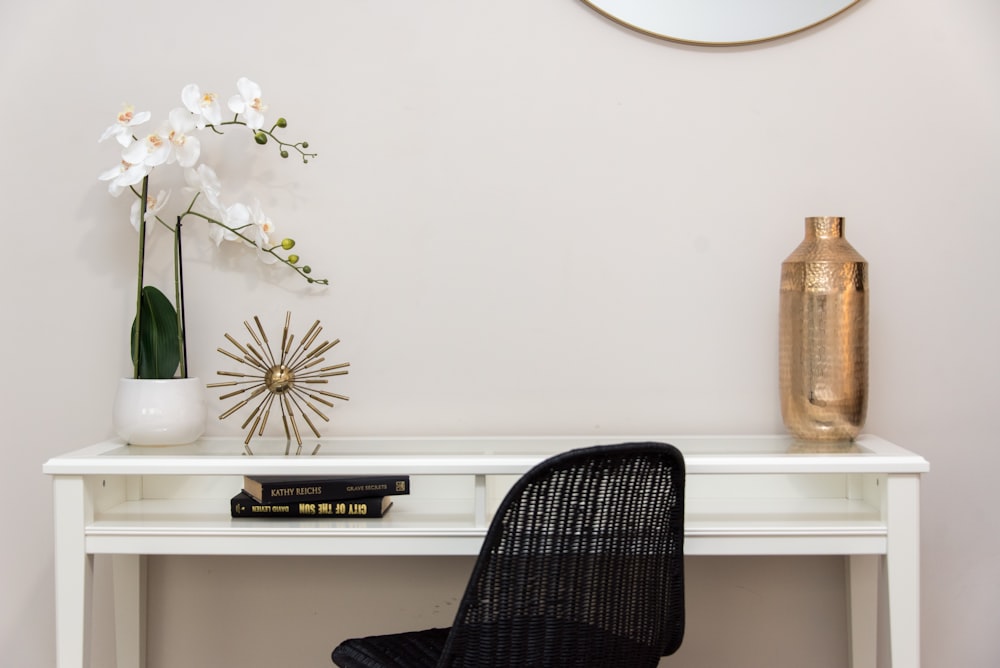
(582, 565)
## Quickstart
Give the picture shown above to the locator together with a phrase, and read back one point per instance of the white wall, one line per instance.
(534, 221)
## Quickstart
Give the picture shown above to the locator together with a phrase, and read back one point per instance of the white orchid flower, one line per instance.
(204, 181)
(234, 217)
(122, 176)
(153, 206)
(205, 106)
(248, 103)
(185, 149)
(263, 228)
(150, 151)
(122, 127)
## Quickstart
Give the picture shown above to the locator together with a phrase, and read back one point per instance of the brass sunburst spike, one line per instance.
(294, 358)
(280, 379)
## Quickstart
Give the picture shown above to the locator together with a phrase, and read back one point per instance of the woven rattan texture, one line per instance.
(582, 566)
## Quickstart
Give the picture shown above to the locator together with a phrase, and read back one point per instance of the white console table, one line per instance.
(746, 495)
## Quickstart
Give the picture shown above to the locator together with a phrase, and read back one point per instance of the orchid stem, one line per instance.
(179, 298)
(142, 259)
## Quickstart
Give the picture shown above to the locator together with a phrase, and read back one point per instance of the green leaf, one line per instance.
(159, 352)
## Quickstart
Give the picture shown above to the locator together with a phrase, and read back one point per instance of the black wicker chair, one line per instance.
(582, 566)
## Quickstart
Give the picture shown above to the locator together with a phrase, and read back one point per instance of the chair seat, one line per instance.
(545, 643)
(413, 649)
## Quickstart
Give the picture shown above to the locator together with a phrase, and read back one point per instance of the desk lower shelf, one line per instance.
(432, 527)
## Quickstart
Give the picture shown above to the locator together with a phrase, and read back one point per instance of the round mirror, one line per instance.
(720, 22)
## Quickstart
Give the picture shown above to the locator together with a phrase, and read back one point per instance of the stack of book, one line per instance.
(325, 496)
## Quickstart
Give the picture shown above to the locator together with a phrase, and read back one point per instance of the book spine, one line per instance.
(243, 505)
(288, 492)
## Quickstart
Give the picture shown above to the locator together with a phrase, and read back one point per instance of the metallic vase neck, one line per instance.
(824, 227)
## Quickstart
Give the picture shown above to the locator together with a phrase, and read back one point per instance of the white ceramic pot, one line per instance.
(159, 412)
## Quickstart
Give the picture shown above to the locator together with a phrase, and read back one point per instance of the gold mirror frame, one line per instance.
(720, 22)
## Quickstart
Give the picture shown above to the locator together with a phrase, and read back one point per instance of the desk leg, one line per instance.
(862, 609)
(901, 510)
(130, 609)
(74, 574)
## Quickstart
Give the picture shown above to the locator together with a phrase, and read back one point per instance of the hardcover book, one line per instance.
(243, 505)
(286, 489)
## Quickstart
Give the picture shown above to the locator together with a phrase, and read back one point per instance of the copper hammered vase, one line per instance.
(823, 335)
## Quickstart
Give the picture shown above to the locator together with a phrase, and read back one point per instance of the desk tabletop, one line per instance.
(494, 455)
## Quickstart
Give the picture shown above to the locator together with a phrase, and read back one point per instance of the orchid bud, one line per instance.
(305, 144)
(288, 244)
(284, 153)
(260, 137)
(293, 258)
(307, 269)
(282, 123)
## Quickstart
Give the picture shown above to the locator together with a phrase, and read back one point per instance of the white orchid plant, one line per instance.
(158, 335)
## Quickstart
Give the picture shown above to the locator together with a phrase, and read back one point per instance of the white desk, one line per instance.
(746, 495)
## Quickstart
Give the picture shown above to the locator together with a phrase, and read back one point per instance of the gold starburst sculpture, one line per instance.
(287, 380)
